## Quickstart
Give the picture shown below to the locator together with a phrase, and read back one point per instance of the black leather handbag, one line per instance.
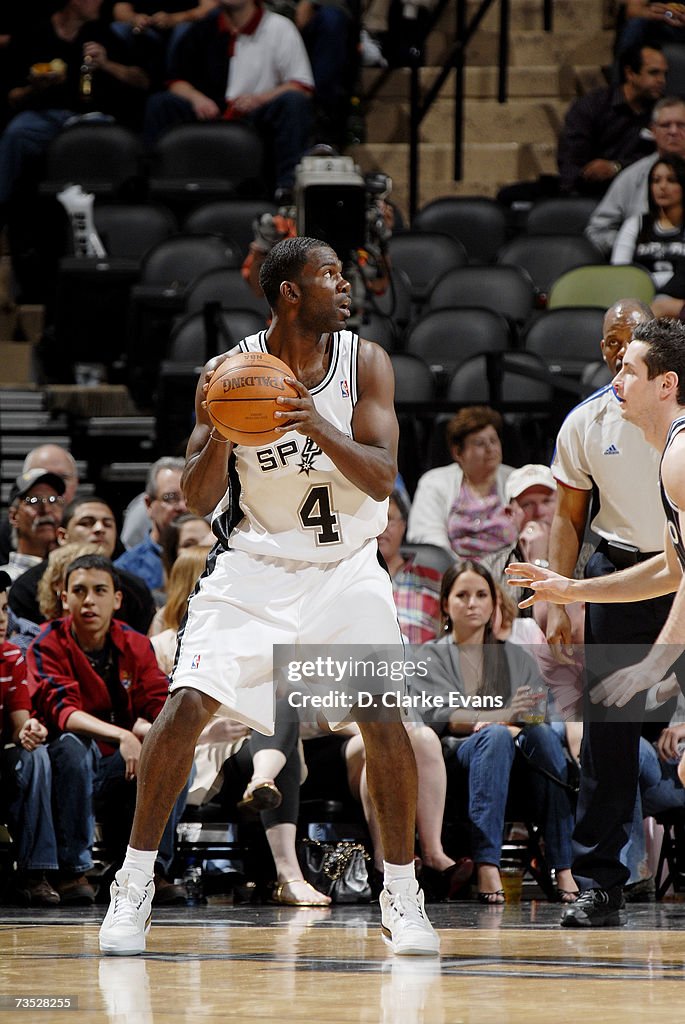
(337, 869)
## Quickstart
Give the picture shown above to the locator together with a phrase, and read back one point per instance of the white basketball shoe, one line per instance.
(128, 919)
(404, 924)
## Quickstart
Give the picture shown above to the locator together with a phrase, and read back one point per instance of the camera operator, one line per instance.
(353, 215)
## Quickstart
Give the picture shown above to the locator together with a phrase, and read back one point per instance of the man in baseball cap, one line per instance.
(531, 491)
(35, 512)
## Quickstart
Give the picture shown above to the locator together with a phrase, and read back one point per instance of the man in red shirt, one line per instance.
(25, 773)
(98, 689)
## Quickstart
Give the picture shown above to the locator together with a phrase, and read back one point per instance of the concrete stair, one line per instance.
(504, 143)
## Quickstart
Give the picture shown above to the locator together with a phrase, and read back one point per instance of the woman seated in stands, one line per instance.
(234, 765)
(415, 587)
(656, 240)
(470, 661)
(461, 507)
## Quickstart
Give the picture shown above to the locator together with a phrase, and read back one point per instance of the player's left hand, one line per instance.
(620, 687)
(546, 585)
(299, 413)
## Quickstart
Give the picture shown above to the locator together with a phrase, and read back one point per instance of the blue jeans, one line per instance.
(26, 138)
(85, 781)
(551, 805)
(327, 38)
(487, 756)
(660, 788)
(27, 787)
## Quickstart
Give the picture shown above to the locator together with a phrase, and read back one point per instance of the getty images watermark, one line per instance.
(515, 684)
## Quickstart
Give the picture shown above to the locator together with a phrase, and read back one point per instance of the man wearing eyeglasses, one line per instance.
(35, 512)
(165, 502)
(628, 193)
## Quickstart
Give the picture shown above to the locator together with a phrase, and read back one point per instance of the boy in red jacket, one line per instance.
(25, 773)
(98, 689)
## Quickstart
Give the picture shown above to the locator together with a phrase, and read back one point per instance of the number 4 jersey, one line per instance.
(296, 503)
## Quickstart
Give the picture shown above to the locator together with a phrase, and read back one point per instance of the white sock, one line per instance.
(142, 861)
(399, 877)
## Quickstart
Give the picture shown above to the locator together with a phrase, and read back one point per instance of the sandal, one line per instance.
(566, 895)
(279, 895)
(492, 899)
(260, 795)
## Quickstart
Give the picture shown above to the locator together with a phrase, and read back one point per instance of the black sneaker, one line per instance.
(595, 908)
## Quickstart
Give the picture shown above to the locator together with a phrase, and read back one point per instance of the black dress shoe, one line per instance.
(595, 908)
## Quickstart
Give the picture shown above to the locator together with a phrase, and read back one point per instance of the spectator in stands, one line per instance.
(25, 774)
(59, 461)
(183, 576)
(98, 689)
(86, 520)
(470, 660)
(55, 459)
(608, 128)
(628, 193)
(656, 240)
(241, 63)
(416, 587)
(51, 583)
(44, 96)
(648, 22)
(162, 22)
(165, 502)
(461, 507)
(35, 513)
(184, 532)
(530, 493)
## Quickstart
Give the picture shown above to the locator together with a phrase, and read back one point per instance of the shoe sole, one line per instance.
(408, 950)
(131, 951)
(607, 921)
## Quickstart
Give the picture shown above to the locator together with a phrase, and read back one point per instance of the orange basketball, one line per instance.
(242, 393)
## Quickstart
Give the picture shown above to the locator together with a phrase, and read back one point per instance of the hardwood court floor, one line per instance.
(221, 963)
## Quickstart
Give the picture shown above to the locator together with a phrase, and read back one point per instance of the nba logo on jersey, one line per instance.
(344, 389)
(195, 663)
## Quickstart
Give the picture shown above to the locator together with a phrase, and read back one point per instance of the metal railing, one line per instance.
(455, 62)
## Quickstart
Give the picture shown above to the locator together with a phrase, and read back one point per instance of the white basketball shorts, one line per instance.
(248, 603)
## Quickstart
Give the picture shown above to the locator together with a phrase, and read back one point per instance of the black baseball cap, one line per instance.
(5, 581)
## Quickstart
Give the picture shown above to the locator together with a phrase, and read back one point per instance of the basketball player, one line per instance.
(650, 388)
(300, 566)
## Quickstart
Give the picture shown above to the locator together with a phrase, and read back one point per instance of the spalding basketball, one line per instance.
(242, 393)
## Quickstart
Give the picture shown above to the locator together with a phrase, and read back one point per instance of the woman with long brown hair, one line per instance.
(495, 684)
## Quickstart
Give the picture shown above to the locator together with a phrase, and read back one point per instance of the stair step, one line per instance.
(536, 120)
(567, 15)
(558, 81)
(525, 48)
(488, 165)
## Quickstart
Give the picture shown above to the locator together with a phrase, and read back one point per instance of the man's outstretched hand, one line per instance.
(545, 584)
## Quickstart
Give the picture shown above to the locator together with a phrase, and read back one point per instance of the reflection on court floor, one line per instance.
(222, 963)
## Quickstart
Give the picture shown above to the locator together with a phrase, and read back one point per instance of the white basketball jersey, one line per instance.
(296, 503)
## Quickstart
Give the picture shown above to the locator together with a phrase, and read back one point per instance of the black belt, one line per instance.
(622, 556)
